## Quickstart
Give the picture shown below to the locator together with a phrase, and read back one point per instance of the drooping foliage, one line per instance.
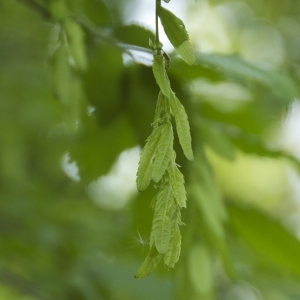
(79, 84)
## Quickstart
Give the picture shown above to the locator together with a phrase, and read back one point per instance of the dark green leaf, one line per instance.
(177, 34)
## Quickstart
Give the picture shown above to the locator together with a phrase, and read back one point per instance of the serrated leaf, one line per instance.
(182, 126)
(159, 108)
(164, 152)
(161, 226)
(177, 34)
(172, 256)
(160, 74)
(144, 173)
(150, 264)
(177, 183)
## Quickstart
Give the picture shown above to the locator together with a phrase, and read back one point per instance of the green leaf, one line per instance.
(253, 144)
(206, 193)
(145, 169)
(160, 74)
(75, 37)
(177, 34)
(172, 256)
(235, 67)
(159, 108)
(177, 183)
(161, 226)
(134, 34)
(267, 237)
(150, 264)
(164, 152)
(93, 11)
(186, 51)
(61, 74)
(200, 266)
(217, 139)
(182, 126)
(87, 150)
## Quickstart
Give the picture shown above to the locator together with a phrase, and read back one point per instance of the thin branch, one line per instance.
(157, 7)
(44, 12)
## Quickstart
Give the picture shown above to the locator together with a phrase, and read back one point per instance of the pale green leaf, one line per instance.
(62, 75)
(177, 34)
(75, 38)
(144, 173)
(182, 126)
(164, 152)
(160, 74)
(161, 226)
(186, 51)
(159, 108)
(177, 183)
(172, 256)
(150, 264)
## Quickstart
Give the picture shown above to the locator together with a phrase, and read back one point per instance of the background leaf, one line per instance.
(267, 237)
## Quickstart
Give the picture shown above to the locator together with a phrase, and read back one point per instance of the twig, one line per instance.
(44, 12)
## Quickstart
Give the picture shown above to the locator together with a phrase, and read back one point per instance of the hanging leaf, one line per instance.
(172, 256)
(177, 183)
(160, 74)
(177, 34)
(159, 108)
(164, 152)
(150, 264)
(161, 226)
(182, 126)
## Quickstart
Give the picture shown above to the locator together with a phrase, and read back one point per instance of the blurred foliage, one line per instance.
(71, 82)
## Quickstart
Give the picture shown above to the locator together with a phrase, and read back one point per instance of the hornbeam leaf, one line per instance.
(159, 108)
(145, 169)
(164, 152)
(150, 264)
(177, 34)
(161, 226)
(160, 74)
(172, 256)
(182, 126)
(177, 183)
